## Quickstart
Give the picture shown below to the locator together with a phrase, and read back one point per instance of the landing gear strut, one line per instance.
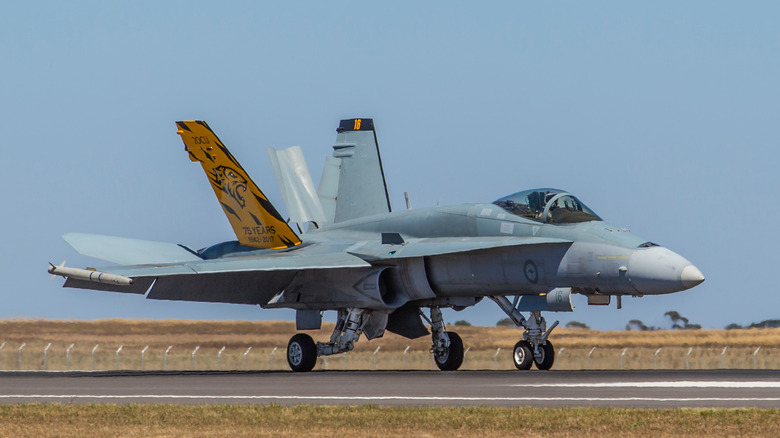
(447, 347)
(302, 352)
(534, 348)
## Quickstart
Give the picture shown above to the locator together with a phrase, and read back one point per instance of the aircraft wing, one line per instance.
(373, 251)
(286, 261)
(241, 280)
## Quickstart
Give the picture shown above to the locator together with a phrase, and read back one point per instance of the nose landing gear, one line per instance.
(534, 348)
(524, 355)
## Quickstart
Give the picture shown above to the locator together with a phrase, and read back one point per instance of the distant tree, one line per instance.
(733, 326)
(462, 323)
(769, 323)
(636, 324)
(680, 322)
(506, 322)
(577, 325)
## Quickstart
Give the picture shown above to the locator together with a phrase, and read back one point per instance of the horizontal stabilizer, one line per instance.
(445, 245)
(124, 251)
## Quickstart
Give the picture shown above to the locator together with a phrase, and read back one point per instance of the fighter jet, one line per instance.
(379, 269)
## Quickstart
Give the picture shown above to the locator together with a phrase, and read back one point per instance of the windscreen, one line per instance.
(547, 205)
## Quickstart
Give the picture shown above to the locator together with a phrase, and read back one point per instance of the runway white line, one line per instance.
(671, 384)
(379, 398)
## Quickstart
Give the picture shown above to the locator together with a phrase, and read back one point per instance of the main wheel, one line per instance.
(301, 353)
(451, 359)
(546, 357)
(523, 355)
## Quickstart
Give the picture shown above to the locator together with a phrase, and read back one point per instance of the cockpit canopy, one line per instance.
(547, 205)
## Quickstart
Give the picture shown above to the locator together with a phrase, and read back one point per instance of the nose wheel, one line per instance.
(523, 355)
(544, 357)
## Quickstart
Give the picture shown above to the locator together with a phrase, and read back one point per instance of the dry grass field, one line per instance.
(331, 421)
(62, 420)
(572, 345)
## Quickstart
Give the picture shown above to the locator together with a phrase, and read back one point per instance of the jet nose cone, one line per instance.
(691, 276)
(658, 270)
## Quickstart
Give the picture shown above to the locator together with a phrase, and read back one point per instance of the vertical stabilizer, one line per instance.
(328, 190)
(296, 185)
(253, 218)
(362, 190)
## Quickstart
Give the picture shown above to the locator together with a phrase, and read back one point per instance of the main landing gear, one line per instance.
(447, 347)
(302, 351)
(534, 348)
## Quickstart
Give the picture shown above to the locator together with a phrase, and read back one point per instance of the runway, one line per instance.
(627, 389)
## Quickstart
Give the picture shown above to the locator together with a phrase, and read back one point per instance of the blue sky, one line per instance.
(661, 116)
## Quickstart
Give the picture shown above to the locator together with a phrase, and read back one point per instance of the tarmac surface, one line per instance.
(624, 389)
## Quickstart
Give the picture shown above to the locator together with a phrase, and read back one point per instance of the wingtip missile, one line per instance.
(90, 275)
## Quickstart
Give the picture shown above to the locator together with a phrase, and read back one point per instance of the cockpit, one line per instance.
(547, 205)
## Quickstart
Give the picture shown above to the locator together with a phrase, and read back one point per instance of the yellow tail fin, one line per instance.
(255, 221)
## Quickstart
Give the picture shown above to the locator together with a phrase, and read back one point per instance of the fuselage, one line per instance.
(591, 257)
(597, 257)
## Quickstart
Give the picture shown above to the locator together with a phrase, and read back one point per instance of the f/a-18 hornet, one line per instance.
(378, 268)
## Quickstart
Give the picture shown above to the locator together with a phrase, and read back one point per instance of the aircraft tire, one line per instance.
(546, 357)
(453, 359)
(522, 355)
(301, 353)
